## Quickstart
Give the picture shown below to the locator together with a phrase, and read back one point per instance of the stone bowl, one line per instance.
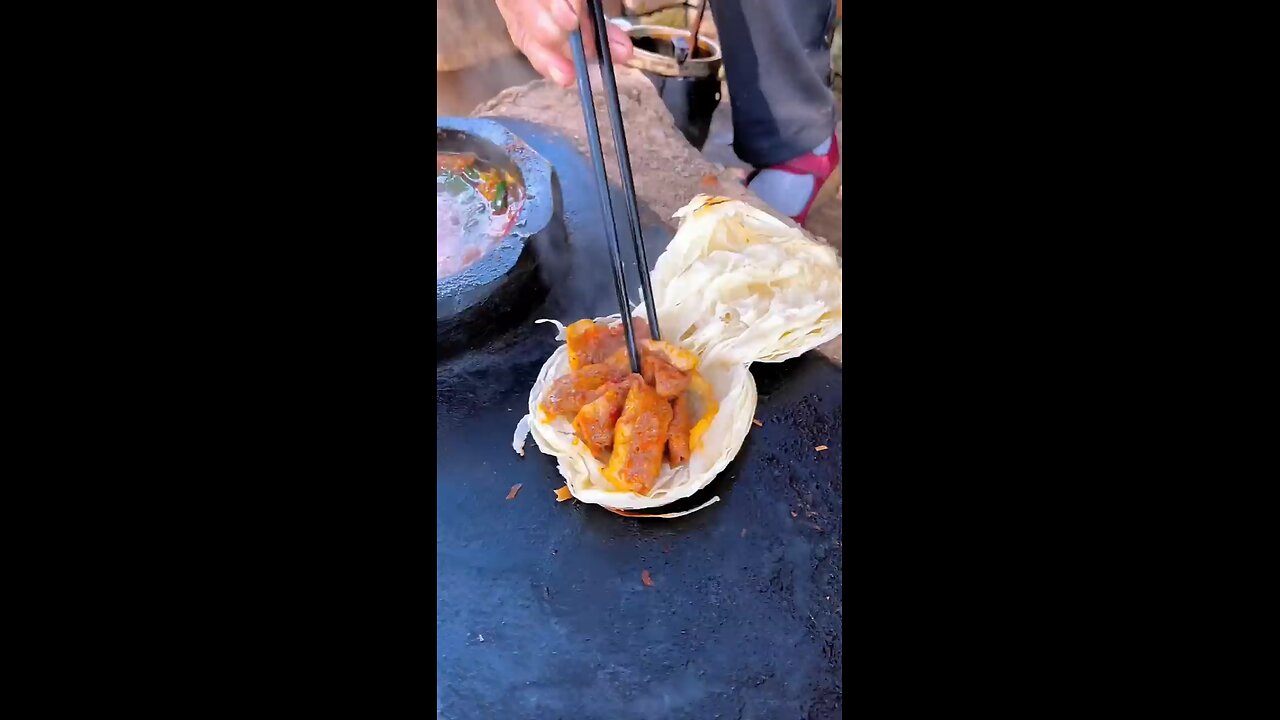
(499, 289)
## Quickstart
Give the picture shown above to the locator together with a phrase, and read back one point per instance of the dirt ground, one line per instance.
(459, 92)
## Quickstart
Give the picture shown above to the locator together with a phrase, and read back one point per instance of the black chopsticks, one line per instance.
(599, 28)
(624, 159)
(691, 52)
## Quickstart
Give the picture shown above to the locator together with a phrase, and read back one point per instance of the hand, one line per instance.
(541, 28)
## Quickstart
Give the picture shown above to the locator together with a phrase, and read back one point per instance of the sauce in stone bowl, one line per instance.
(476, 206)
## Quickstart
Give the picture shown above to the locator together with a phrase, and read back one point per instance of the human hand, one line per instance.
(541, 28)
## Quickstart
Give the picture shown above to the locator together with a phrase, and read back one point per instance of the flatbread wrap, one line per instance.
(734, 286)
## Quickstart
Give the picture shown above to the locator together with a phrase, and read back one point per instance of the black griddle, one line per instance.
(541, 611)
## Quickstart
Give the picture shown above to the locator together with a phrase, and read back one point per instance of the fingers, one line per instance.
(619, 44)
(548, 29)
(541, 29)
(548, 32)
(565, 14)
(552, 64)
(620, 49)
(536, 31)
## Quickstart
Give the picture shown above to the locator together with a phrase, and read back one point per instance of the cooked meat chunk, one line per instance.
(667, 380)
(681, 423)
(662, 375)
(631, 422)
(639, 439)
(595, 422)
(683, 360)
(619, 359)
(569, 393)
(590, 342)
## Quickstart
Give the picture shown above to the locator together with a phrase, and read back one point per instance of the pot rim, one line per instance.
(667, 66)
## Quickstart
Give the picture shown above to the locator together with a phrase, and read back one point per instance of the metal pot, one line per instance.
(691, 91)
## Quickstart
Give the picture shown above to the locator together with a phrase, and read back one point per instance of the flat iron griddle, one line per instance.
(541, 612)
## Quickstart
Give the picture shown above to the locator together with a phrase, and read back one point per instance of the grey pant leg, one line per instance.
(777, 60)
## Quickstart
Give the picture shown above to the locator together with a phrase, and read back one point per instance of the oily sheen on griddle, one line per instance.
(734, 286)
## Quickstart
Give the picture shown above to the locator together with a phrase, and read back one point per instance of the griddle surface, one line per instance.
(743, 620)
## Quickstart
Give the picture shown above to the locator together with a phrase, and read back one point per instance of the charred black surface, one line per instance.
(541, 611)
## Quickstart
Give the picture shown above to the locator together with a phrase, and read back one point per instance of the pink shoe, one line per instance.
(810, 173)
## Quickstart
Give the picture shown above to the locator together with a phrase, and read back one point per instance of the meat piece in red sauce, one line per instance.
(683, 360)
(639, 439)
(678, 450)
(662, 375)
(594, 424)
(569, 393)
(590, 342)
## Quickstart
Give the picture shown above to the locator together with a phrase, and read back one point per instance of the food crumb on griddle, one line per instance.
(756, 422)
(646, 578)
(820, 448)
(793, 514)
(562, 493)
(744, 533)
(515, 490)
